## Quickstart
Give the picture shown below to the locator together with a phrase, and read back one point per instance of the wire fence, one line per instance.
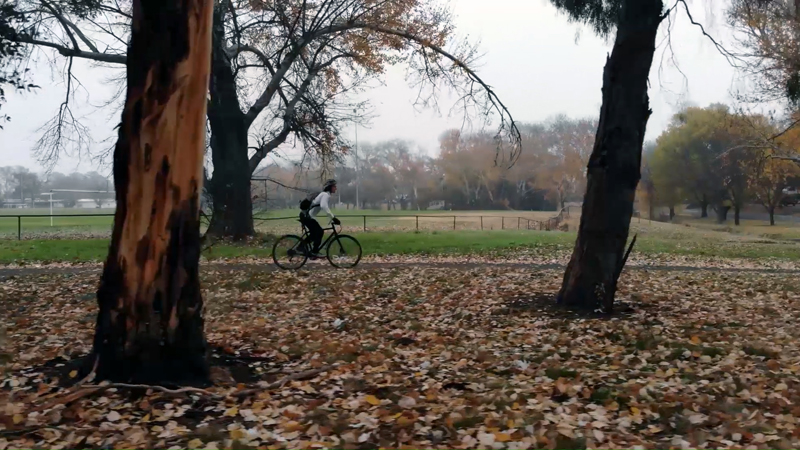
(83, 226)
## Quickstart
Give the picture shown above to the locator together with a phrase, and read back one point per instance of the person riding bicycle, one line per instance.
(308, 217)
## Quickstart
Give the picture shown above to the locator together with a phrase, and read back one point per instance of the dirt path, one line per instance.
(6, 273)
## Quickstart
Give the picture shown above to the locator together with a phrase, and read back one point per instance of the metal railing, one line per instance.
(74, 225)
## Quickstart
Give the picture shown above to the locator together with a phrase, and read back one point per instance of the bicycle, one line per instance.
(298, 252)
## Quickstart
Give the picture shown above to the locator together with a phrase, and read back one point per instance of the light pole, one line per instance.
(51, 206)
(355, 111)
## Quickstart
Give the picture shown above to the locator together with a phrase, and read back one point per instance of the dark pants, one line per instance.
(315, 233)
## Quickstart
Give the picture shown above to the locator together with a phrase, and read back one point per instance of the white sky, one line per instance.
(531, 57)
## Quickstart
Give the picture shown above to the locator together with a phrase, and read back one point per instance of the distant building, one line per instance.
(16, 203)
(437, 204)
(90, 203)
(46, 203)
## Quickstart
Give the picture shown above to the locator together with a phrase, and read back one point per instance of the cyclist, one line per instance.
(308, 218)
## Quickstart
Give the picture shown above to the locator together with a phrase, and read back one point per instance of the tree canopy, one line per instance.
(714, 157)
(11, 22)
(600, 15)
(769, 31)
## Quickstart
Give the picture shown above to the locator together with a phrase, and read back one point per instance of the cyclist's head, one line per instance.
(329, 186)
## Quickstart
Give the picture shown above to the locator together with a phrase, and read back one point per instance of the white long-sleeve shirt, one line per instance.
(321, 203)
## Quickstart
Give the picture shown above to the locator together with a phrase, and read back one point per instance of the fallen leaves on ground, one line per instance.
(428, 357)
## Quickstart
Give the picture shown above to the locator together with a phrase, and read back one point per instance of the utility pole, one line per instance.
(355, 111)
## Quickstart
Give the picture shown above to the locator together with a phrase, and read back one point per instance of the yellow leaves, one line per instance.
(372, 400)
(502, 437)
(292, 426)
(404, 421)
(695, 340)
(17, 419)
(237, 434)
(232, 412)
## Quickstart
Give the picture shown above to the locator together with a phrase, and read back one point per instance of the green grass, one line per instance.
(40, 227)
(395, 243)
(430, 243)
(9, 223)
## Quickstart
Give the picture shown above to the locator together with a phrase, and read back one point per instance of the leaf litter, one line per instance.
(425, 357)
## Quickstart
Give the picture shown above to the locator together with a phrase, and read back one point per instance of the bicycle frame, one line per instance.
(325, 242)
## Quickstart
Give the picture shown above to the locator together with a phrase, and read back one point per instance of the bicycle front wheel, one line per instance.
(289, 252)
(344, 252)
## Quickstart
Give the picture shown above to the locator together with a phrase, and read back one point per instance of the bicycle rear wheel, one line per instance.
(289, 252)
(344, 251)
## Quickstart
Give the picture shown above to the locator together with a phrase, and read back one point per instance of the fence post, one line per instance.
(417, 222)
(454, 222)
(481, 223)
(518, 219)
(503, 226)
(365, 223)
(19, 228)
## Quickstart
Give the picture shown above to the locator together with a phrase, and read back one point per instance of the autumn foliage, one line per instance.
(717, 159)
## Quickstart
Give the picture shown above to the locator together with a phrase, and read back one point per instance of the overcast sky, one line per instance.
(531, 57)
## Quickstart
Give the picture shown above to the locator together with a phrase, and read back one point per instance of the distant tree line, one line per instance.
(18, 184)
(464, 175)
(718, 160)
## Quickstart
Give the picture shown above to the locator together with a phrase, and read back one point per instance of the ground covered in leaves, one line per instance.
(425, 357)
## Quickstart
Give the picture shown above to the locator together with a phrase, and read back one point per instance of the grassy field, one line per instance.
(9, 223)
(654, 239)
(394, 233)
(277, 221)
(388, 243)
(759, 228)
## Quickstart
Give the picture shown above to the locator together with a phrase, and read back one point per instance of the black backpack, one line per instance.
(305, 204)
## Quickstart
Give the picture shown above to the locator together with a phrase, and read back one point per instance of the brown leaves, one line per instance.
(436, 357)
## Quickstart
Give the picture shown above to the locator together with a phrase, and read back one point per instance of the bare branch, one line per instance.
(112, 58)
(730, 57)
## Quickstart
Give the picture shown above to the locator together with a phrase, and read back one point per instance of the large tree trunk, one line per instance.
(590, 280)
(671, 213)
(150, 324)
(704, 207)
(722, 213)
(736, 210)
(232, 205)
(772, 215)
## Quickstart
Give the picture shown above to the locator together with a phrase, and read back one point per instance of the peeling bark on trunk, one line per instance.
(232, 213)
(590, 280)
(150, 324)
